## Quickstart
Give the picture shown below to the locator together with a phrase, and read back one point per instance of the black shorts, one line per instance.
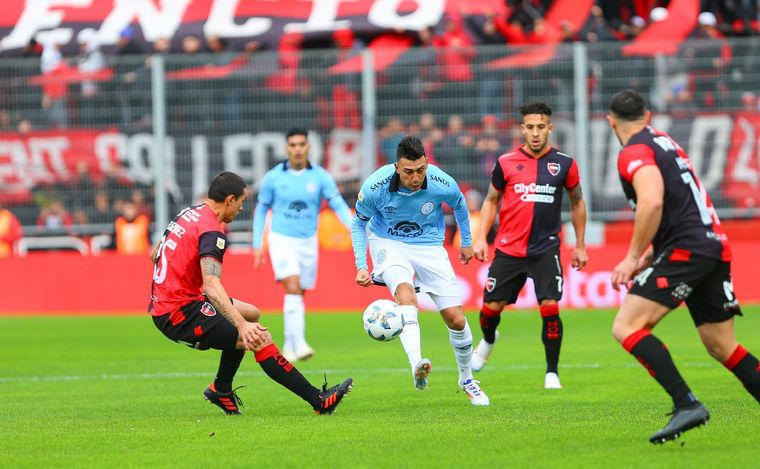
(507, 275)
(703, 283)
(202, 328)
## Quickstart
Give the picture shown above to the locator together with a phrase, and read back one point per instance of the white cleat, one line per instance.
(482, 352)
(304, 352)
(551, 381)
(421, 372)
(472, 389)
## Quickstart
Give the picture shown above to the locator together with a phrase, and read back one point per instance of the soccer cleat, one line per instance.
(482, 352)
(551, 381)
(421, 372)
(330, 398)
(301, 353)
(472, 389)
(682, 420)
(227, 401)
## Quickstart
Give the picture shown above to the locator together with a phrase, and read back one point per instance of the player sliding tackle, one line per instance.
(190, 306)
(401, 203)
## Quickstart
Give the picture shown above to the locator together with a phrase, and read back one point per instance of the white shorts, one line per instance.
(429, 265)
(294, 256)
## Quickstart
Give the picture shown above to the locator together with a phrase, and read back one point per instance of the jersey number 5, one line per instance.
(159, 270)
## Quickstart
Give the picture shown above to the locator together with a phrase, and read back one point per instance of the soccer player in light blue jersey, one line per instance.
(401, 204)
(293, 190)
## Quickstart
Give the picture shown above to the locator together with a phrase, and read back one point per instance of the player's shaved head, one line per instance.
(410, 148)
(224, 184)
(628, 105)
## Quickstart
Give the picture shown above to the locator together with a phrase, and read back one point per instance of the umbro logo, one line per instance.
(520, 167)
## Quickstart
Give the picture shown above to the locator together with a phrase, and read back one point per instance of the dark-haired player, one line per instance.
(689, 261)
(529, 182)
(190, 306)
(294, 190)
(401, 203)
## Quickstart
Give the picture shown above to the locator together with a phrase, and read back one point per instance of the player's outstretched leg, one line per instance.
(281, 370)
(682, 420)
(551, 336)
(461, 343)
(410, 340)
(489, 320)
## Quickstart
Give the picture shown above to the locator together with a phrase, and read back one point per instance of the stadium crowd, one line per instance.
(444, 72)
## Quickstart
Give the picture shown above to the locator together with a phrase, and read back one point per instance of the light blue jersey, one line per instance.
(394, 212)
(295, 198)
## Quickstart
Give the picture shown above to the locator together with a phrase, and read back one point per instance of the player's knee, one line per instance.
(719, 350)
(405, 294)
(621, 329)
(454, 318)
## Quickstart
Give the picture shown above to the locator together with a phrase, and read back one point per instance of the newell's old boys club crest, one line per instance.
(490, 284)
(553, 168)
(208, 310)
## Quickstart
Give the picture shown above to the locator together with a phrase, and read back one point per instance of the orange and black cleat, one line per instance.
(229, 402)
(330, 398)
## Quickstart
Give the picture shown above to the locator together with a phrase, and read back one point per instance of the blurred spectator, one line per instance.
(488, 147)
(429, 133)
(132, 231)
(454, 56)
(55, 216)
(91, 105)
(126, 44)
(102, 212)
(456, 145)
(10, 231)
(54, 92)
(750, 102)
(390, 136)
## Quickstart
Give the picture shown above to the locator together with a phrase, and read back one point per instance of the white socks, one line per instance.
(410, 336)
(294, 322)
(461, 342)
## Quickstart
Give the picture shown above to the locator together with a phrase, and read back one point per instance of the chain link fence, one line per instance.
(78, 141)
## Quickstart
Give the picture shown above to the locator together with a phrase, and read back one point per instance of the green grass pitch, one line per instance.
(113, 392)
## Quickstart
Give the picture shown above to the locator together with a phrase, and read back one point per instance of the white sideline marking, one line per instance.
(149, 376)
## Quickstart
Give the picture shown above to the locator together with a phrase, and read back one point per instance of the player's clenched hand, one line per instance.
(465, 254)
(623, 272)
(480, 250)
(258, 257)
(363, 278)
(580, 258)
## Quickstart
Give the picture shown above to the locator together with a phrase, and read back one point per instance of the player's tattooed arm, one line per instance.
(576, 195)
(212, 273)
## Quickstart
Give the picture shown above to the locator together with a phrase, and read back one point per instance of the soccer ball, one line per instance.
(383, 321)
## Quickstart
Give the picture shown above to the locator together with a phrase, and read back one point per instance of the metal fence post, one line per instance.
(158, 102)
(580, 81)
(369, 115)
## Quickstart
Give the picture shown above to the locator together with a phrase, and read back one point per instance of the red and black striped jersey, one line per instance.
(531, 207)
(689, 223)
(177, 278)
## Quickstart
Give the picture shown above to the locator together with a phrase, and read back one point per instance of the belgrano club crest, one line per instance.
(553, 168)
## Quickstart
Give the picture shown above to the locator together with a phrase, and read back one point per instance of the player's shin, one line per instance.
(461, 342)
(489, 321)
(747, 368)
(551, 335)
(655, 357)
(282, 371)
(229, 363)
(410, 336)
